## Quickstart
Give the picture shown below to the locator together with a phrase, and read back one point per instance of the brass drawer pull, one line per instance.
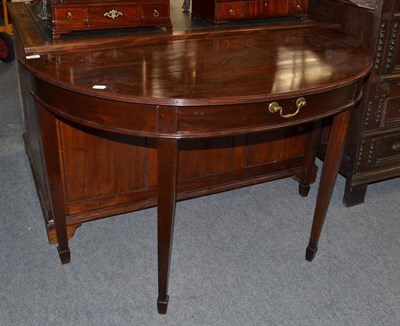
(113, 14)
(231, 12)
(70, 15)
(156, 13)
(275, 107)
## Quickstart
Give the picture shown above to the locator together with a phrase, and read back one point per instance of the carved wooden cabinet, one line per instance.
(77, 15)
(219, 11)
(373, 149)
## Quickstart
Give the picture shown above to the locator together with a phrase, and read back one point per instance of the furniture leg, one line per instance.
(333, 156)
(53, 167)
(354, 195)
(167, 165)
(308, 175)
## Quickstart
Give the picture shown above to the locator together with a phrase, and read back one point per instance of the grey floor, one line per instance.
(238, 256)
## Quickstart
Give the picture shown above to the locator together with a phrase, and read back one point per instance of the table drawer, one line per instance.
(244, 118)
(113, 16)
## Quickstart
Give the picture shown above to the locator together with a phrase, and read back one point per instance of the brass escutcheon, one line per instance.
(113, 14)
(275, 107)
(69, 15)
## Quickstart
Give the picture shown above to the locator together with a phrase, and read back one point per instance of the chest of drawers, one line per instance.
(77, 15)
(219, 11)
(373, 148)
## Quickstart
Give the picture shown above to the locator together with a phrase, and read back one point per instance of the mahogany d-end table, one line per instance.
(222, 83)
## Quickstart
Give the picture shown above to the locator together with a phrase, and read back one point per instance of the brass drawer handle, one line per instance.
(70, 15)
(113, 14)
(275, 107)
(156, 13)
(231, 12)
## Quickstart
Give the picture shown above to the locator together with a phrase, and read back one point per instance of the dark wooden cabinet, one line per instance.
(78, 15)
(373, 148)
(220, 11)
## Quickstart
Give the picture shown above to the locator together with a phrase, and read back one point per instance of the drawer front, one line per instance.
(392, 111)
(97, 112)
(274, 8)
(384, 109)
(117, 16)
(73, 17)
(388, 148)
(255, 9)
(297, 7)
(229, 10)
(380, 151)
(157, 12)
(244, 118)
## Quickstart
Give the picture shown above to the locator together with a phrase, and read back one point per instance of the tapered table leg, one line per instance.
(333, 158)
(167, 164)
(53, 167)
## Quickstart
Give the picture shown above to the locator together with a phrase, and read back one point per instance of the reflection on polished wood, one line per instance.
(121, 126)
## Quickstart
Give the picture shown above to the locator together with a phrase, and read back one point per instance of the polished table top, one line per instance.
(213, 67)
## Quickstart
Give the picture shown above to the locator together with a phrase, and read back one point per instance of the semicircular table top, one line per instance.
(210, 68)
